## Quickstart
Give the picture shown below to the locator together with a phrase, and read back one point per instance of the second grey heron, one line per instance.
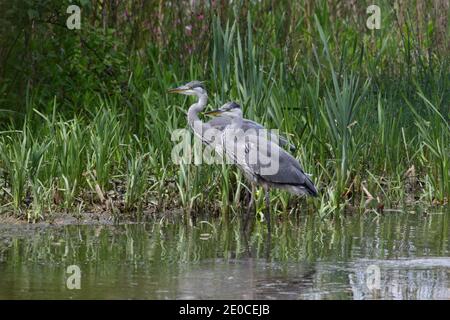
(289, 174)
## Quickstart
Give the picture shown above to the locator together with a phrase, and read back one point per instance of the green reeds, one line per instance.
(434, 135)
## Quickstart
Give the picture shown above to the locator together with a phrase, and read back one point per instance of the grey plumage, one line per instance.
(247, 150)
(221, 121)
(289, 176)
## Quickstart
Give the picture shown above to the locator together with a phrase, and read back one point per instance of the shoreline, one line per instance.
(106, 218)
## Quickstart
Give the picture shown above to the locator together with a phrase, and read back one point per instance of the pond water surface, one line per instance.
(390, 256)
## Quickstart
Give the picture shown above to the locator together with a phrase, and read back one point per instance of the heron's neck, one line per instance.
(196, 108)
(236, 123)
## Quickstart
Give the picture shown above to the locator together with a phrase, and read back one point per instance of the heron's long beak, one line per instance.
(178, 90)
(214, 112)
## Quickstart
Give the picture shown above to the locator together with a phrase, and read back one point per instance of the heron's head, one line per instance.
(229, 109)
(193, 88)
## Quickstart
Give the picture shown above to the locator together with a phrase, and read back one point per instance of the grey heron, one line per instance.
(238, 144)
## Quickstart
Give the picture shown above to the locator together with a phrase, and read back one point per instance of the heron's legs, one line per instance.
(267, 197)
(251, 204)
(269, 229)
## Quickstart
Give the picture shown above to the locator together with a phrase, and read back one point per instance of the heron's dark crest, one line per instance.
(230, 106)
(196, 84)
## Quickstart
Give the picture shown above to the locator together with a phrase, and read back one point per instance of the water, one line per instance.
(306, 259)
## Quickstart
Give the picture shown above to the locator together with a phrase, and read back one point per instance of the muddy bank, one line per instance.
(61, 219)
(86, 218)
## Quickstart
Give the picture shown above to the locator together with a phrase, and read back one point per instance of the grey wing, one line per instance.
(219, 123)
(249, 124)
(282, 141)
(288, 172)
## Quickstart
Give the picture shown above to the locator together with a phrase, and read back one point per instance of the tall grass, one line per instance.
(434, 148)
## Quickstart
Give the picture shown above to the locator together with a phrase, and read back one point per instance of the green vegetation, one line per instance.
(86, 123)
